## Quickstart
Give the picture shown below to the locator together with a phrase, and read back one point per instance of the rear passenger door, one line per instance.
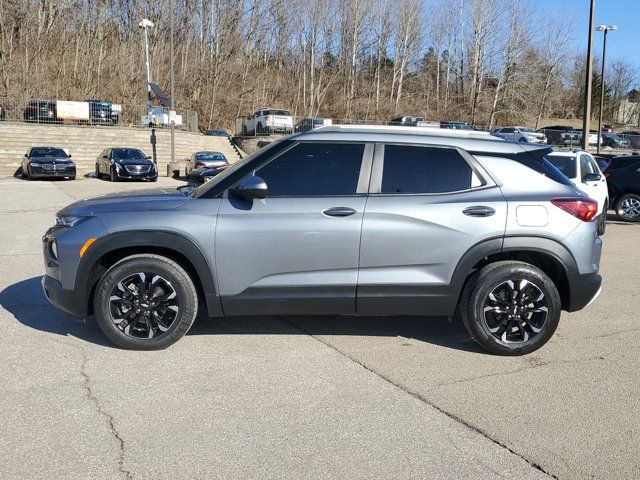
(428, 205)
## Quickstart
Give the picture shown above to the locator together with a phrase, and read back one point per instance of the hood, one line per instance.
(213, 163)
(143, 200)
(48, 160)
(135, 161)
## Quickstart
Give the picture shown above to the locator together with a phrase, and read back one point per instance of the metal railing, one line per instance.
(251, 126)
(94, 113)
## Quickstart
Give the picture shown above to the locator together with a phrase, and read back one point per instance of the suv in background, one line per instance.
(339, 220)
(41, 111)
(267, 121)
(409, 122)
(623, 179)
(583, 170)
(101, 112)
(520, 134)
(124, 163)
(456, 125)
(562, 135)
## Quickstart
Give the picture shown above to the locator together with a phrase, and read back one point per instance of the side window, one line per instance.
(416, 169)
(508, 130)
(314, 169)
(585, 166)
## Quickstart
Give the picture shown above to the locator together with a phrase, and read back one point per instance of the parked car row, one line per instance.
(117, 163)
(100, 112)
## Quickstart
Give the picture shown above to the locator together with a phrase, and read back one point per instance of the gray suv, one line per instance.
(339, 220)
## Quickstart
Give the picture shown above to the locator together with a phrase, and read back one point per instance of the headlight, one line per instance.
(69, 220)
(35, 164)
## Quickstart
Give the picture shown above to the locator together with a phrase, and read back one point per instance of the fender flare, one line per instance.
(172, 241)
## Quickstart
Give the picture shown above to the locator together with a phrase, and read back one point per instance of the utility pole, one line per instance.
(605, 29)
(586, 114)
(172, 118)
(145, 25)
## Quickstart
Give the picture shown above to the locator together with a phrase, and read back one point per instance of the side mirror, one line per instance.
(69, 155)
(592, 177)
(148, 157)
(250, 187)
(26, 155)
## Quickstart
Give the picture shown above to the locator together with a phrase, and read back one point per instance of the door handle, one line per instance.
(338, 211)
(479, 211)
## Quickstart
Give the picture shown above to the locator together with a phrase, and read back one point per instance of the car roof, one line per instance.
(470, 140)
(208, 151)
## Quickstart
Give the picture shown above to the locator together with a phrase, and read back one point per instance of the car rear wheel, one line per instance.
(510, 308)
(145, 302)
(628, 207)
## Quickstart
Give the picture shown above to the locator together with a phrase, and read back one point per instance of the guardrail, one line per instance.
(95, 113)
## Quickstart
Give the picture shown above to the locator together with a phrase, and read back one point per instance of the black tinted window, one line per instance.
(412, 169)
(311, 169)
(127, 153)
(566, 165)
(47, 152)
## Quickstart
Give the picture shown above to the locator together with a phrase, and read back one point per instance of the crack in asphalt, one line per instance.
(90, 395)
(425, 400)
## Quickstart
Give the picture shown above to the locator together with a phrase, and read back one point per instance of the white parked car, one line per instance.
(520, 134)
(583, 170)
(268, 120)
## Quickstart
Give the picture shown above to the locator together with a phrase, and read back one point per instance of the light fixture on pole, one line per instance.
(172, 120)
(605, 29)
(586, 113)
(145, 24)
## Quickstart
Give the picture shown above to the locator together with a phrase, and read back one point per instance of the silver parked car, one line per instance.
(339, 220)
(520, 134)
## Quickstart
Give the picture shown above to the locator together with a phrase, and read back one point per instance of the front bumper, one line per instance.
(583, 290)
(66, 300)
(123, 173)
(59, 172)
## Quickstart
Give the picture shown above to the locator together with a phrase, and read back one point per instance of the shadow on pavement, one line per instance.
(26, 302)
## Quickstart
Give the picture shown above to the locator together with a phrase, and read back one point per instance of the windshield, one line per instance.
(127, 153)
(528, 130)
(229, 171)
(210, 156)
(566, 165)
(47, 152)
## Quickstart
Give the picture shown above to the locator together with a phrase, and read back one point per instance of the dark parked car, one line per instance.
(41, 162)
(633, 136)
(456, 125)
(3, 112)
(205, 160)
(101, 112)
(306, 124)
(202, 175)
(614, 141)
(41, 111)
(561, 135)
(124, 163)
(623, 180)
(217, 133)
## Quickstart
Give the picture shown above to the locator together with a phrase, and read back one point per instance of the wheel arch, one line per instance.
(114, 247)
(549, 255)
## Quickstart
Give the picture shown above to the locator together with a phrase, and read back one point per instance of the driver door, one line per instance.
(296, 251)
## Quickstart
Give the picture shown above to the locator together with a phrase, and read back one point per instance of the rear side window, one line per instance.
(416, 169)
(566, 165)
(314, 169)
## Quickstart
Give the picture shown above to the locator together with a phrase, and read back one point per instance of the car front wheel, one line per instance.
(113, 175)
(510, 308)
(628, 207)
(145, 302)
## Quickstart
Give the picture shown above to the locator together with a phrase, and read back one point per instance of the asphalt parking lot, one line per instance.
(308, 397)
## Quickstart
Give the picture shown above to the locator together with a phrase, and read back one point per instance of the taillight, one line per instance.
(582, 209)
(268, 118)
(200, 165)
(606, 174)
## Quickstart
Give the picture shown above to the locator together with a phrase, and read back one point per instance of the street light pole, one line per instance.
(171, 81)
(586, 114)
(605, 29)
(144, 25)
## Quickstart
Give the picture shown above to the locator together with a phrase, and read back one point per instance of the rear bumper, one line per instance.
(583, 290)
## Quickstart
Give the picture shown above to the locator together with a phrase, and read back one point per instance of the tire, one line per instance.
(154, 179)
(628, 207)
(113, 175)
(144, 332)
(29, 177)
(98, 174)
(523, 140)
(73, 177)
(602, 221)
(515, 332)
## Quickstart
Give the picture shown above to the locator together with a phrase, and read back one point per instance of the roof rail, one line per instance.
(437, 131)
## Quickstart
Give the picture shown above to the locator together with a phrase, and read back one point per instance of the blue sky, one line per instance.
(624, 43)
